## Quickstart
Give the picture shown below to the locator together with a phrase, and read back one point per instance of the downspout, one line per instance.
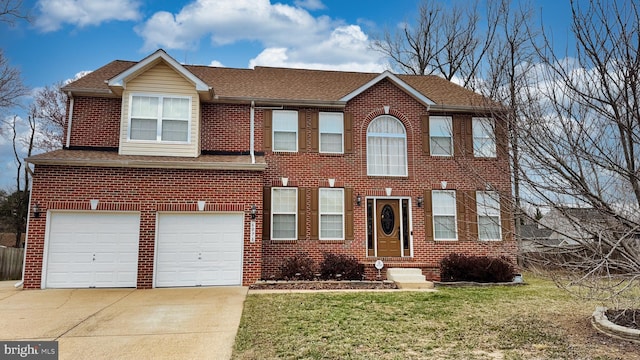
(252, 130)
(26, 235)
(70, 119)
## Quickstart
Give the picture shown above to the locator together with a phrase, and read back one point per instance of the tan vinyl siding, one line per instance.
(161, 80)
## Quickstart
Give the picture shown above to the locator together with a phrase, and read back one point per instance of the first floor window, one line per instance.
(159, 118)
(444, 214)
(331, 214)
(284, 217)
(484, 141)
(488, 208)
(285, 130)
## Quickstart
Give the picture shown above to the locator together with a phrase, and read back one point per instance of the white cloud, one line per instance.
(290, 35)
(310, 4)
(216, 63)
(227, 21)
(346, 48)
(52, 14)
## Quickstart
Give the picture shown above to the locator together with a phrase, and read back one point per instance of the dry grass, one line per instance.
(536, 321)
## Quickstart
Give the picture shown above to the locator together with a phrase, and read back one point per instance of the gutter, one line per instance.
(71, 99)
(252, 130)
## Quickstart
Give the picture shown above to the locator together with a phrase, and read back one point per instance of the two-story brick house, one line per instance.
(179, 175)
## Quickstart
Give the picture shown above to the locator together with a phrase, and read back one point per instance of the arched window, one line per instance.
(386, 147)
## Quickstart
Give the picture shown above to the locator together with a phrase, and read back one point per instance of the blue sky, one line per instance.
(66, 37)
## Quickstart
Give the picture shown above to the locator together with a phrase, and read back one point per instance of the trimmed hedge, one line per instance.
(482, 269)
(340, 267)
(299, 267)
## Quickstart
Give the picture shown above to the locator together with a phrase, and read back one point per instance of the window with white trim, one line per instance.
(285, 130)
(331, 214)
(284, 213)
(331, 132)
(488, 209)
(484, 140)
(444, 214)
(386, 147)
(159, 118)
(440, 135)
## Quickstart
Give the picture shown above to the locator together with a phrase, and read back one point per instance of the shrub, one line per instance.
(347, 267)
(484, 269)
(299, 267)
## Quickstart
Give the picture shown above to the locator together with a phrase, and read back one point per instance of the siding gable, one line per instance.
(160, 80)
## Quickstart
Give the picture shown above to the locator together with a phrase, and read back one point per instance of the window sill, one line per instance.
(283, 241)
(327, 241)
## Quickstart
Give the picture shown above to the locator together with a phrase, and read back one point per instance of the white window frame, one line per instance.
(437, 211)
(481, 135)
(483, 209)
(274, 130)
(159, 118)
(433, 120)
(273, 212)
(387, 135)
(320, 213)
(321, 132)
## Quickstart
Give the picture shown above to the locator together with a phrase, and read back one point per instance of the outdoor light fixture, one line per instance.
(254, 211)
(358, 200)
(36, 211)
(420, 201)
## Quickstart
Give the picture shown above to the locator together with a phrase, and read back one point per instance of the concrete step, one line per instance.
(408, 278)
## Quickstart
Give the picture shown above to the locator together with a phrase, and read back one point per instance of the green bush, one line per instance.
(483, 269)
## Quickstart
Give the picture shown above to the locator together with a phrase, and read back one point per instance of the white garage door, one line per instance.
(199, 250)
(89, 249)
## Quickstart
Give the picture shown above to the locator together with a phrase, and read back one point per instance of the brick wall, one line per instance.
(311, 170)
(96, 122)
(147, 191)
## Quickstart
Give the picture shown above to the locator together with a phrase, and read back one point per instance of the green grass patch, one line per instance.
(536, 321)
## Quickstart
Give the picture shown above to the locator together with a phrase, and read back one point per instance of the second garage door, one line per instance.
(199, 249)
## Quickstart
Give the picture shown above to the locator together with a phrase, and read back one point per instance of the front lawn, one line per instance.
(536, 321)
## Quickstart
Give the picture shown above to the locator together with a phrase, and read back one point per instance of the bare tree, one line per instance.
(49, 110)
(11, 86)
(11, 10)
(443, 41)
(582, 146)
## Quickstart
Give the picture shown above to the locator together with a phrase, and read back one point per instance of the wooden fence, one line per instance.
(11, 263)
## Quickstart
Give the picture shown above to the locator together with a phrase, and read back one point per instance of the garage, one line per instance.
(199, 249)
(92, 249)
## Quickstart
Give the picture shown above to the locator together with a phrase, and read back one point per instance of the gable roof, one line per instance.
(160, 55)
(286, 86)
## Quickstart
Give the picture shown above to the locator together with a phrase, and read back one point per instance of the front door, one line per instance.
(388, 228)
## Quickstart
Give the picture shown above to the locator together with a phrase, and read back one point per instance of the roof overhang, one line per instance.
(279, 102)
(394, 79)
(119, 82)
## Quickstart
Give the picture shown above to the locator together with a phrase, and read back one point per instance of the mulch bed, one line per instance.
(322, 285)
(629, 318)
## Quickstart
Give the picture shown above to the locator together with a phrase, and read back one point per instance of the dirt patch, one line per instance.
(629, 318)
(322, 285)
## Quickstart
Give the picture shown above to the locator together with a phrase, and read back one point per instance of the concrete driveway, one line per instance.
(178, 323)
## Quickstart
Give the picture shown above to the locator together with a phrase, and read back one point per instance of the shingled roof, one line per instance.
(268, 83)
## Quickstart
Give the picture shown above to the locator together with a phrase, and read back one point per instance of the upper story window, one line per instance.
(285, 130)
(386, 147)
(444, 214)
(331, 214)
(284, 213)
(440, 135)
(160, 118)
(331, 132)
(488, 208)
(484, 140)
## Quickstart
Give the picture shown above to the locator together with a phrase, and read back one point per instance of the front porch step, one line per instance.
(408, 278)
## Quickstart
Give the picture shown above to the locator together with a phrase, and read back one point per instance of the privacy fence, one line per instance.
(11, 263)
